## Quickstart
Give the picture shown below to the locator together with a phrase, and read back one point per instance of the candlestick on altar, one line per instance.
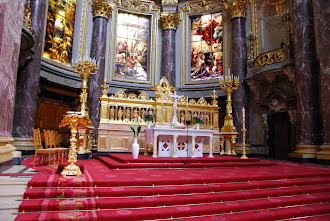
(244, 152)
(243, 113)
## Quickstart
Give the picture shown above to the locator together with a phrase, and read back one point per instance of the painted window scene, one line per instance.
(59, 31)
(131, 61)
(206, 47)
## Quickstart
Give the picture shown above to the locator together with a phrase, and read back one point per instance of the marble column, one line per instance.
(101, 13)
(237, 10)
(323, 34)
(308, 133)
(11, 16)
(28, 82)
(169, 23)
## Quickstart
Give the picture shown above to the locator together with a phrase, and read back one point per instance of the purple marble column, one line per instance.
(168, 56)
(11, 15)
(323, 16)
(95, 81)
(306, 75)
(239, 59)
(28, 78)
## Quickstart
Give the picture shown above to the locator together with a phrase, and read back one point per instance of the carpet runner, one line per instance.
(281, 191)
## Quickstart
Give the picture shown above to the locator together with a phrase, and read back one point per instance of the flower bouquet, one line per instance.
(134, 125)
(198, 119)
(149, 116)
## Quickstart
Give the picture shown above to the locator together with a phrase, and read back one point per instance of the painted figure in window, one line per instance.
(132, 47)
(206, 47)
(59, 31)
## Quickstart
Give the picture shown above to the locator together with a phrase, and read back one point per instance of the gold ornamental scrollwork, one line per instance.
(27, 18)
(163, 88)
(268, 58)
(237, 8)
(169, 20)
(103, 8)
(202, 5)
(139, 5)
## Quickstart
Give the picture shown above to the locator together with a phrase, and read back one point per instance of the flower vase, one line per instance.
(197, 126)
(135, 148)
(149, 124)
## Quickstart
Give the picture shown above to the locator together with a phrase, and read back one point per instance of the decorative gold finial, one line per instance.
(105, 87)
(214, 97)
(102, 8)
(169, 20)
(73, 120)
(237, 8)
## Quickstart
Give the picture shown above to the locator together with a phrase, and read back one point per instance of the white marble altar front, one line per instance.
(172, 142)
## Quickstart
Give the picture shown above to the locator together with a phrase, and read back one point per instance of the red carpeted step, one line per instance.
(313, 218)
(189, 210)
(273, 214)
(127, 158)
(154, 201)
(117, 165)
(166, 190)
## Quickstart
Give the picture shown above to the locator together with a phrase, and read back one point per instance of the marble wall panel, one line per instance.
(11, 16)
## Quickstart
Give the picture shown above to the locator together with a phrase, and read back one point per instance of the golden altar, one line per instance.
(114, 133)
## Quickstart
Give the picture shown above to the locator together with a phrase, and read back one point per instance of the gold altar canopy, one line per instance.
(114, 133)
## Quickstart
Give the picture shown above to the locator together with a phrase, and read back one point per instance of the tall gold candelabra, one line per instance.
(84, 67)
(229, 83)
(73, 120)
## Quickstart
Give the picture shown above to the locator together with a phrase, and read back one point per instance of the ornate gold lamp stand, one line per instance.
(286, 17)
(251, 37)
(73, 120)
(85, 68)
(228, 83)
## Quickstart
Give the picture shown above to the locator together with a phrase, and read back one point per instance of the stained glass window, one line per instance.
(132, 45)
(59, 31)
(206, 47)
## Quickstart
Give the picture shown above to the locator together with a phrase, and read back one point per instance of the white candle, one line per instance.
(243, 113)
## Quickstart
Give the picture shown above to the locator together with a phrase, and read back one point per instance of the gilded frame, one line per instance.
(193, 8)
(147, 8)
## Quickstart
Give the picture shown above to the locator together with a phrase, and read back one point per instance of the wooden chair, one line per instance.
(39, 149)
(52, 143)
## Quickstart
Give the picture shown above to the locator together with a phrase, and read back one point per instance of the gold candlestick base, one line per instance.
(73, 120)
(244, 152)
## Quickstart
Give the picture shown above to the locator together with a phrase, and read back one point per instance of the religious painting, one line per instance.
(132, 46)
(59, 31)
(206, 47)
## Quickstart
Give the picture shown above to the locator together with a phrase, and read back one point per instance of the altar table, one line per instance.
(174, 141)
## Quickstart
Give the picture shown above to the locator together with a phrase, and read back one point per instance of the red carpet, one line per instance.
(281, 191)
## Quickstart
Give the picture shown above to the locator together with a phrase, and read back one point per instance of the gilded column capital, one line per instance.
(169, 20)
(102, 8)
(237, 8)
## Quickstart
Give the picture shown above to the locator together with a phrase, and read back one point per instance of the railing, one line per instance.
(270, 57)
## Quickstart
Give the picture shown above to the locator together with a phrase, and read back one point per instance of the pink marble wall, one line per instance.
(11, 16)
